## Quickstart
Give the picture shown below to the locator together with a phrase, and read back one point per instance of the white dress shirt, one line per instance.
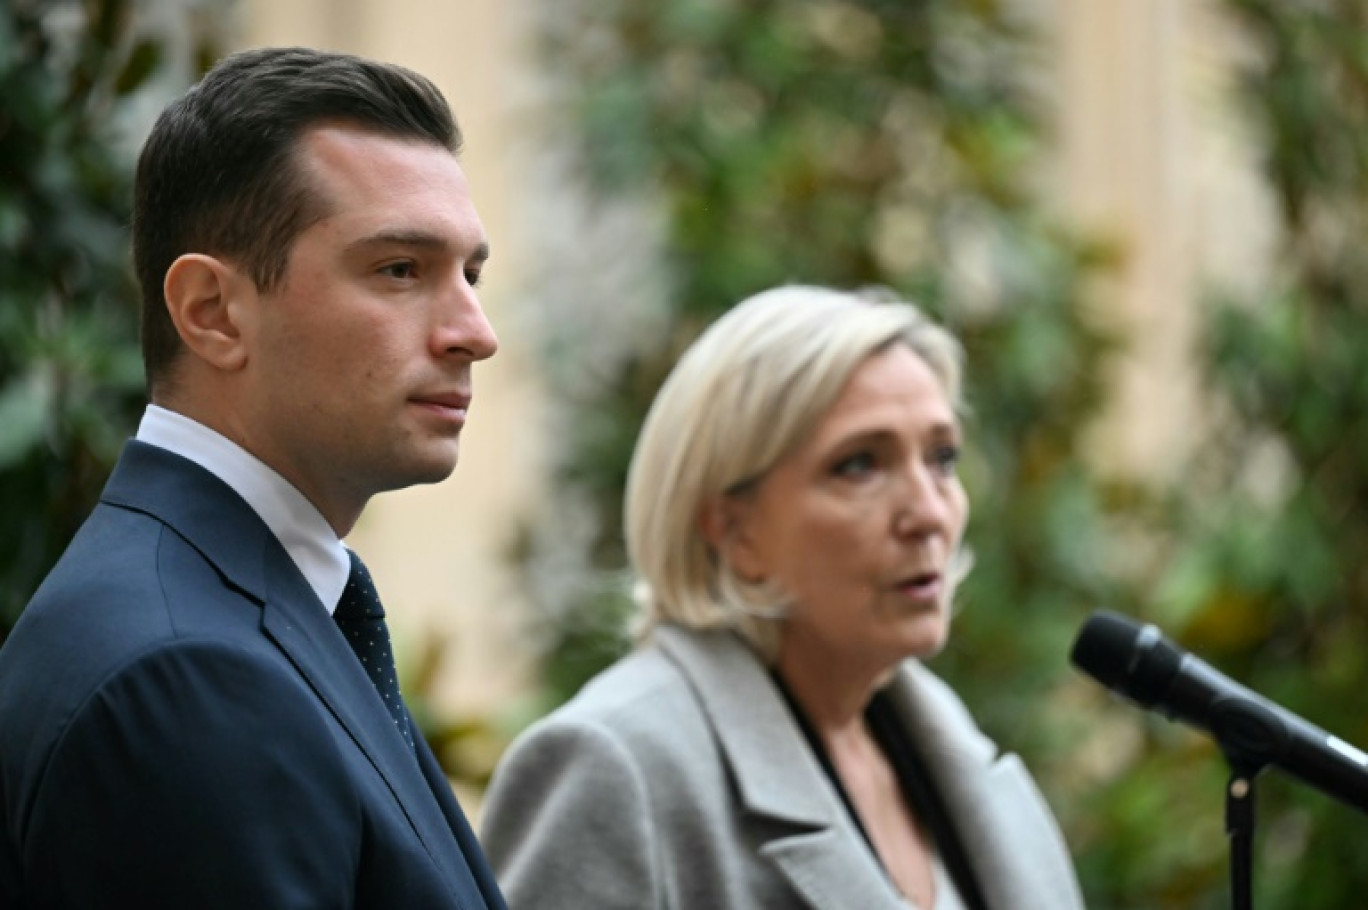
(299, 527)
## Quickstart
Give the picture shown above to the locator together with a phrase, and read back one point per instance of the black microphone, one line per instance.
(1138, 662)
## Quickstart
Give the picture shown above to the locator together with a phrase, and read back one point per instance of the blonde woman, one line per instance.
(795, 519)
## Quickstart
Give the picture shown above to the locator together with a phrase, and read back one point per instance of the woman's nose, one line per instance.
(924, 506)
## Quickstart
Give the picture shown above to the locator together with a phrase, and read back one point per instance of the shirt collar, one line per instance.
(296, 523)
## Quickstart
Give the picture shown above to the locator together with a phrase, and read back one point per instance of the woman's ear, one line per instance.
(202, 295)
(728, 525)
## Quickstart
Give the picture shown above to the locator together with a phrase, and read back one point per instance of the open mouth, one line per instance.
(923, 585)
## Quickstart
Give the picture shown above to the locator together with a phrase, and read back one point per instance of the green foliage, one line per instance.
(849, 144)
(70, 374)
(1269, 580)
(1258, 561)
(858, 142)
(72, 75)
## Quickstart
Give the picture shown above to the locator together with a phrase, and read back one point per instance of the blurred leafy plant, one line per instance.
(70, 371)
(1267, 573)
(849, 144)
(866, 142)
(1257, 563)
(72, 73)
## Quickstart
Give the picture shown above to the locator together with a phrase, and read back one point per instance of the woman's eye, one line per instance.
(472, 277)
(854, 466)
(945, 459)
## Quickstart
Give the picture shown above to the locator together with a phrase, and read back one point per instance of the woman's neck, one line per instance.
(832, 693)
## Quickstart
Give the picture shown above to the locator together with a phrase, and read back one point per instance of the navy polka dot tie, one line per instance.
(362, 619)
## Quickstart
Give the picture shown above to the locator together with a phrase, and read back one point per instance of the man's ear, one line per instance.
(726, 523)
(204, 296)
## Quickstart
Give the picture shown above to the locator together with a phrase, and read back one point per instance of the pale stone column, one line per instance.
(1152, 157)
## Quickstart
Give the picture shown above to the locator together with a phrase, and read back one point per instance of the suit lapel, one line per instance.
(230, 535)
(813, 843)
(294, 619)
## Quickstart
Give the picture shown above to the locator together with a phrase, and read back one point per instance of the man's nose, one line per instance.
(462, 327)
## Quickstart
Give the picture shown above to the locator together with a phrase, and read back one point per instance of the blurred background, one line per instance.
(1143, 218)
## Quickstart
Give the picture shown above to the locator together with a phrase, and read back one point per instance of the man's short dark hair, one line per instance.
(218, 175)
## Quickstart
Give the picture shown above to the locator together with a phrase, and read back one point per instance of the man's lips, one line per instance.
(453, 404)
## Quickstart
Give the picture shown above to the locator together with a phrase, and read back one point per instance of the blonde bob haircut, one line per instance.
(746, 393)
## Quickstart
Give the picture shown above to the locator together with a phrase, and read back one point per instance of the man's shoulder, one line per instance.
(118, 574)
(125, 587)
(110, 564)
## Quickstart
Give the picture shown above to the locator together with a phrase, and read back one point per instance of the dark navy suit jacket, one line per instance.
(183, 725)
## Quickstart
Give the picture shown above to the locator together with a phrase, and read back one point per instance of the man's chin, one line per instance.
(426, 471)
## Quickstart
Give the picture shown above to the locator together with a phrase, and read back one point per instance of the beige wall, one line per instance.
(1151, 157)
(438, 552)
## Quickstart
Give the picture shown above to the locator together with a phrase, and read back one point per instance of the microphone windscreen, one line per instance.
(1105, 648)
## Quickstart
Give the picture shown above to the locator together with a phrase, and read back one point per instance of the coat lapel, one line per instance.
(1008, 832)
(1018, 855)
(779, 781)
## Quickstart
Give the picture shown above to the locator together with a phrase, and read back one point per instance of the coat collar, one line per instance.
(213, 519)
(813, 844)
(1007, 830)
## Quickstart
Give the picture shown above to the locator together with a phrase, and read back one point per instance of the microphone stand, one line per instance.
(1240, 818)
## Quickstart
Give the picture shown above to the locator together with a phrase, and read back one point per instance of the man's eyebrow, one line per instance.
(415, 239)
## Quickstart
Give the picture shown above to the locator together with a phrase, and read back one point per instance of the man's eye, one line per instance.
(402, 270)
(473, 277)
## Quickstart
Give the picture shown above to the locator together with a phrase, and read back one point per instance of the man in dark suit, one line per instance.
(182, 721)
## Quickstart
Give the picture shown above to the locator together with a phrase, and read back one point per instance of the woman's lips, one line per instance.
(923, 586)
